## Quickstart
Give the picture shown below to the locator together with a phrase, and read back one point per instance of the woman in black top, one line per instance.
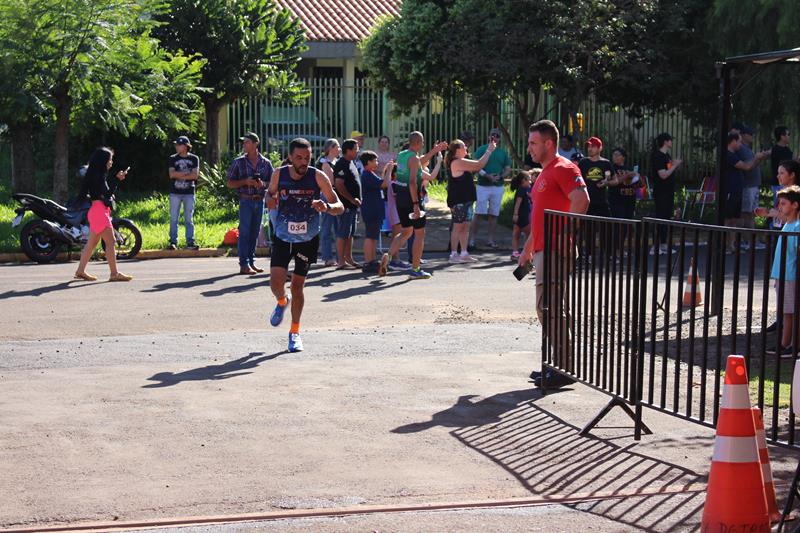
(96, 186)
(621, 186)
(461, 194)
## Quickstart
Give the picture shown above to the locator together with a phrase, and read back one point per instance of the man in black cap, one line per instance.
(250, 174)
(183, 169)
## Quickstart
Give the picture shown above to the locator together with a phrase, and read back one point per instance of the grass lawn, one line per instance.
(150, 212)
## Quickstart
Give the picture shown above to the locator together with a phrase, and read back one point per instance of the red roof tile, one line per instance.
(339, 20)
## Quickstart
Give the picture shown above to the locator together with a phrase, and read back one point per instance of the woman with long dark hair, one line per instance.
(96, 185)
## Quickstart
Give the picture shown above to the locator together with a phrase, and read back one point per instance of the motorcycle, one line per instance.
(60, 227)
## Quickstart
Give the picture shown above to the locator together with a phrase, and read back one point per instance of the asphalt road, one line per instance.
(171, 396)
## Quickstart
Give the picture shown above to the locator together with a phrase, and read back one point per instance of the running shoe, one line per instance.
(419, 274)
(399, 265)
(384, 265)
(466, 258)
(192, 246)
(491, 244)
(454, 259)
(295, 343)
(515, 255)
(276, 317)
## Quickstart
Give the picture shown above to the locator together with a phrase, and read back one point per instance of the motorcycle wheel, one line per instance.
(129, 239)
(37, 244)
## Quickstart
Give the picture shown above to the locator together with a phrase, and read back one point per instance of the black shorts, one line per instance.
(373, 228)
(406, 222)
(733, 205)
(303, 253)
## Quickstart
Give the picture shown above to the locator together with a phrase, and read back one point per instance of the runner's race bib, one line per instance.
(298, 228)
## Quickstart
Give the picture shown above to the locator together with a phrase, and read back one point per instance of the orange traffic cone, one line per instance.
(735, 499)
(766, 468)
(692, 299)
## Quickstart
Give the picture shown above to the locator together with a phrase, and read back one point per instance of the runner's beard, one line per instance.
(300, 171)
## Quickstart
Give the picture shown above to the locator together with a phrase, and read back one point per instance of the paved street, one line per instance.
(171, 397)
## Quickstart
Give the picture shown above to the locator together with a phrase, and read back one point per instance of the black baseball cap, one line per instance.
(251, 136)
(183, 140)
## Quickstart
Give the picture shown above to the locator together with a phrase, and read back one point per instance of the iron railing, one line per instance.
(652, 327)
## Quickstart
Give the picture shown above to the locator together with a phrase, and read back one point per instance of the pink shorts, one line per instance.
(99, 217)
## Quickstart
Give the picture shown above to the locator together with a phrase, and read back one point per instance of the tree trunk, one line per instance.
(23, 168)
(212, 106)
(61, 144)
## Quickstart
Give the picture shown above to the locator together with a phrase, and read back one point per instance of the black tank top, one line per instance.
(461, 189)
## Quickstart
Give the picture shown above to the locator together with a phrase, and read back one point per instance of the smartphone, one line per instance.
(523, 270)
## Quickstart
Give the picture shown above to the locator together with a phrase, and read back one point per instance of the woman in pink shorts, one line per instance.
(95, 185)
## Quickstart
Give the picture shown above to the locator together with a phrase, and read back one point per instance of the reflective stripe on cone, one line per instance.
(735, 498)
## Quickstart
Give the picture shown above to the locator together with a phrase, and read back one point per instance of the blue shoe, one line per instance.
(277, 314)
(399, 265)
(295, 342)
(419, 274)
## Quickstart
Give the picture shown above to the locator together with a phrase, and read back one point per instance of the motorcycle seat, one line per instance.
(50, 203)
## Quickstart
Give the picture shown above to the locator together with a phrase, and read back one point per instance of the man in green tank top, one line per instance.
(407, 195)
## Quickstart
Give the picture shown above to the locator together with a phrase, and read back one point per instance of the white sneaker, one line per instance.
(454, 259)
(466, 258)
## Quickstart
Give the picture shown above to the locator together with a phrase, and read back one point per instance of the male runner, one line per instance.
(295, 193)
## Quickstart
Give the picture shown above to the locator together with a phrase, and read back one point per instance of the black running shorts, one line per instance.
(303, 253)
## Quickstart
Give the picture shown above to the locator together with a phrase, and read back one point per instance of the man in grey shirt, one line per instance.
(752, 182)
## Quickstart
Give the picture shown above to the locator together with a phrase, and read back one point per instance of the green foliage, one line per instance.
(250, 46)
(503, 49)
(150, 212)
(95, 60)
(764, 95)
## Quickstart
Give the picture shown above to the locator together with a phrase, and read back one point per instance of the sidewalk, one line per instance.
(437, 236)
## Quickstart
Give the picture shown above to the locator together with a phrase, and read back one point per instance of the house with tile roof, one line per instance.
(340, 96)
(333, 30)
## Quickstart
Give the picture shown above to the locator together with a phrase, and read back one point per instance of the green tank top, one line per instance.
(403, 172)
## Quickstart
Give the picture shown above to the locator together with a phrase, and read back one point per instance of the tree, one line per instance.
(78, 53)
(765, 94)
(502, 50)
(250, 47)
(674, 67)
(21, 111)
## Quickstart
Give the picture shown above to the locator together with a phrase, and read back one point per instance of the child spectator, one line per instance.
(789, 208)
(372, 208)
(521, 183)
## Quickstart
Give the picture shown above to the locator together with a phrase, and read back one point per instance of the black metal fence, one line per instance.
(647, 312)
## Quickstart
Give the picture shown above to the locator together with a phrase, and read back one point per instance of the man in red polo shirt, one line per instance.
(559, 187)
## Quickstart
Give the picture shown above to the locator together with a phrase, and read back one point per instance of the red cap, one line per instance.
(595, 141)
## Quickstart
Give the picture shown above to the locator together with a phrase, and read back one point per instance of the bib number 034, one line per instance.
(298, 228)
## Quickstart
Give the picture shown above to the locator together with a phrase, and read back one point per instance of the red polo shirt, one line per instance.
(551, 191)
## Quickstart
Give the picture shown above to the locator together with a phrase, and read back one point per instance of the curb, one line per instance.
(142, 255)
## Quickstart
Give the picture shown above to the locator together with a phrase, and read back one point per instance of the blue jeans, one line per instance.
(250, 214)
(175, 202)
(327, 237)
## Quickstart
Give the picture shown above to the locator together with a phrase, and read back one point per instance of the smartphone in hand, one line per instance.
(523, 270)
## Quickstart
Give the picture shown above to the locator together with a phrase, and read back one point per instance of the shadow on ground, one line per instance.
(548, 457)
(231, 369)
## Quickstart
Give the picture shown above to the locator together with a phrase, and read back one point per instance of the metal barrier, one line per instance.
(626, 314)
